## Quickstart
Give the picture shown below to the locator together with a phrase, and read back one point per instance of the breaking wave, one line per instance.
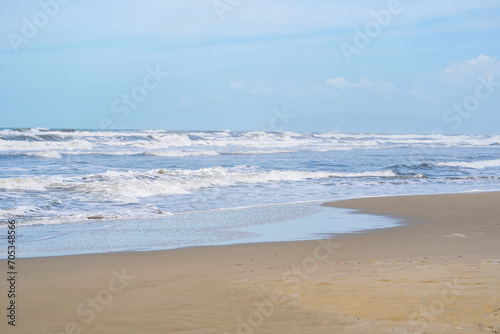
(131, 185)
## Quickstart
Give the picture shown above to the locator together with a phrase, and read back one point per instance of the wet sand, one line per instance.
(439, 272)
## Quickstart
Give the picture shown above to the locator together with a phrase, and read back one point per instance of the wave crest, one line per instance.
(481, 164)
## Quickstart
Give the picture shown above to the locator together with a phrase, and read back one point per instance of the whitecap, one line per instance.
(44, 154)
(480, 164)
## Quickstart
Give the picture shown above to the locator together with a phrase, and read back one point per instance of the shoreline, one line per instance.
(271, 223)
(437, 272)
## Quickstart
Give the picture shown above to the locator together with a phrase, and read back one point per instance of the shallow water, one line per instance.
(290, 222)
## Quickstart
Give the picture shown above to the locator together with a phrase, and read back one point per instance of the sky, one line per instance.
(392, 66)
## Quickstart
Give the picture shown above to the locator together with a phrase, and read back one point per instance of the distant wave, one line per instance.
(181, 153)
(13, 145)
(263, 152)
(481, 164)
(226, 141)
(44, 154)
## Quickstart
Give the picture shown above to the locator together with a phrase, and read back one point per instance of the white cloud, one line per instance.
(364, 83)
(339, 82)
(465, 71)
(443, 90)
(458, 79)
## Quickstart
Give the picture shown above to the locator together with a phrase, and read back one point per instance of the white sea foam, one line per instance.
(263, 151)
(159, 141)
(172, 153)
(181, 153)
(131, 185)
(45, 140)
(329, 149)
(44, 154)
(14, 145)
(26, 183)
(43, 217)
(19, 211)
(481, 164)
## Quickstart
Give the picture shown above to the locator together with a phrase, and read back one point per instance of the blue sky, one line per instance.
(410, 66)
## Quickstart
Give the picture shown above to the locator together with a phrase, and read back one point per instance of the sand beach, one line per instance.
(439, 272)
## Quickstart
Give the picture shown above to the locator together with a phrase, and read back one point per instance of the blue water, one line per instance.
(55, 183)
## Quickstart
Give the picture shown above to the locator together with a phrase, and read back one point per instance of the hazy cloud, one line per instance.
(464, 71)
(363, 83)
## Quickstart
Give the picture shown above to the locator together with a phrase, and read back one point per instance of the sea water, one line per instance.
(66, 187)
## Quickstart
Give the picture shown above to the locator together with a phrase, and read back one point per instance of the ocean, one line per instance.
(81, 191)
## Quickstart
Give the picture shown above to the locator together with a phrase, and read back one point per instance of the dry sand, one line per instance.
(437, 273)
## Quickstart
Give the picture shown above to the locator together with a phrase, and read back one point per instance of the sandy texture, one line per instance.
(438, 273)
